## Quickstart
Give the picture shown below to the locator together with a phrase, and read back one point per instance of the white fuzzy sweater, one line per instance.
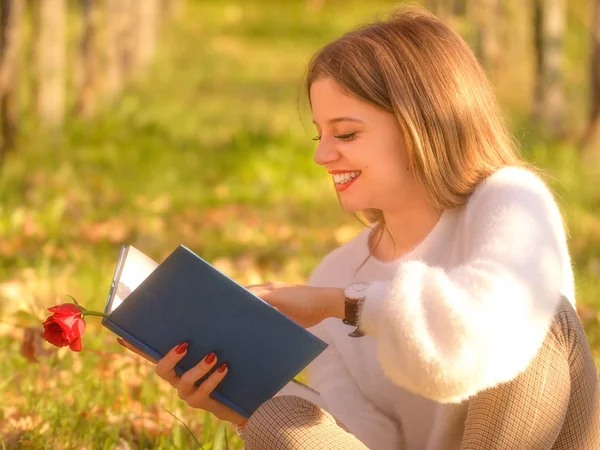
(466, 309)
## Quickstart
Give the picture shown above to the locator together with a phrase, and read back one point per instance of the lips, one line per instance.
(343, 179)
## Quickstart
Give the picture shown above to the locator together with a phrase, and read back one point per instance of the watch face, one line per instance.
(356, 291)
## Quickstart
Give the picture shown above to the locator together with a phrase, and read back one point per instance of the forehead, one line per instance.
(329, 99)
(326, 86)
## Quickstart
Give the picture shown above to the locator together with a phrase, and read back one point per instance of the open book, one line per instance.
(157, 306)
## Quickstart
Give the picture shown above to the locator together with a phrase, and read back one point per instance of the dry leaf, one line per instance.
(113, 230)
(28, 344)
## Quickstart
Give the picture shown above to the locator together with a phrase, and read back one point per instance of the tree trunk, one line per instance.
(488, 16)
(440, 8)
(11, 14)
(85, 104)
(117, 13)
(594, 115)
(50, 55)
(171, 8)
(30, 53)
(147, 30)
(553, 49)
(549, 103)
(131, 55)
(459, 7)
(538, 47)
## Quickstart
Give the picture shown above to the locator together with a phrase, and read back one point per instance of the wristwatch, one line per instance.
(354, 295)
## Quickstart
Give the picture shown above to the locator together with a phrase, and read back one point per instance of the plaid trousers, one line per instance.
(554, 404)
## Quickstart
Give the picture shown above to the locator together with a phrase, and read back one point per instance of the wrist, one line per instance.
(335, 303)
(240, 427)
(241, 423)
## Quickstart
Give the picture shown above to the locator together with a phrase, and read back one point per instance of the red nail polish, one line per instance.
(210, 358)
(222, 368)
(181, 348)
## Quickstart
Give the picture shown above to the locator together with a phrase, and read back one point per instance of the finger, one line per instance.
(188, 380)
(263, 287)
(254, 287)
(201, 395)
(165, 368)
(223, 412)
(130, 347)
(259, 290)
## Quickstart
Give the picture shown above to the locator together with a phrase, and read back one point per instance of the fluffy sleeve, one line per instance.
(448, 334)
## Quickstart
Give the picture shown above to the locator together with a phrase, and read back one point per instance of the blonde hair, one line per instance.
(416, 67)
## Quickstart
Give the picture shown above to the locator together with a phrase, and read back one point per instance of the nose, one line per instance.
(325, 153)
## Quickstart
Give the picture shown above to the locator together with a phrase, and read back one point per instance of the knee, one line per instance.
(276, 422)
(276, 409)
(568, 334)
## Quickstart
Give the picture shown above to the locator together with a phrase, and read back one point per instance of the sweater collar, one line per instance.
(430, 241)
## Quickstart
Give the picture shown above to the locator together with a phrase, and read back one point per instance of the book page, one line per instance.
(136, 268)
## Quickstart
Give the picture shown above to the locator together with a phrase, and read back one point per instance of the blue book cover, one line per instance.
(157, 306)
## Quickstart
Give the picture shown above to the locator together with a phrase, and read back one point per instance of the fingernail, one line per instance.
(222, 368)
(120, 341)
(210, 358)
(181, 348)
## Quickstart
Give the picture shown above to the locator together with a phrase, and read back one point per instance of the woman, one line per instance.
(467, 336)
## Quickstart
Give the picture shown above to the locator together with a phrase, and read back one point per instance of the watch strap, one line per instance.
(351, 312)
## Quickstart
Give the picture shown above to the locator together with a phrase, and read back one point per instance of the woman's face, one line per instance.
(363, 148)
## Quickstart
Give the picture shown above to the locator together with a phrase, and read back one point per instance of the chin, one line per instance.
(353, 207)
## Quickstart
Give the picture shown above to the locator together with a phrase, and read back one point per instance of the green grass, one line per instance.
(212, 148)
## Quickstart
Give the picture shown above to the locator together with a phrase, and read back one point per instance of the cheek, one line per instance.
(394, 167)
(389, 175)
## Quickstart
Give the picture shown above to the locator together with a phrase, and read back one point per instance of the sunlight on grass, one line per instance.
(212, 149)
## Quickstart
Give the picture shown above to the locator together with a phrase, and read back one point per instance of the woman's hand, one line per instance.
(194, 396)
(306, 305)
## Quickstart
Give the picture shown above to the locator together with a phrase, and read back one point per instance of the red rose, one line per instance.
(65, 326)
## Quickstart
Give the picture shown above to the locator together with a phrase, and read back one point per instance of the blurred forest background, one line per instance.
(160, 122)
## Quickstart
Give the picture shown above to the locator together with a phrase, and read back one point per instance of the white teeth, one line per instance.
(341, 178)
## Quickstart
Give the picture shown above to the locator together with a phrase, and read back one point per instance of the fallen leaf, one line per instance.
(28, 346)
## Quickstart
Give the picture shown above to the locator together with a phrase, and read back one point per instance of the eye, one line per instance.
(316, 138)
(346, 137)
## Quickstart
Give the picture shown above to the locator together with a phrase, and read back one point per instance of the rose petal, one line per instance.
(75, 331)
(59, 325)
(65, 326)
(80, 327)
(54, 334)
(76, 345)
(65, 309)
(66, 321)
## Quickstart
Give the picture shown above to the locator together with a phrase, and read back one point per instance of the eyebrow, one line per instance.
(342, 119)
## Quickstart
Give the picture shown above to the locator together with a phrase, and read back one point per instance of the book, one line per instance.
(155, 307)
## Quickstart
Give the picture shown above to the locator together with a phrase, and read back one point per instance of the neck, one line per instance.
(404, 230)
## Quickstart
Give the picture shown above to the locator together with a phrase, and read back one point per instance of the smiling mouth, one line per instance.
(343, 178)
